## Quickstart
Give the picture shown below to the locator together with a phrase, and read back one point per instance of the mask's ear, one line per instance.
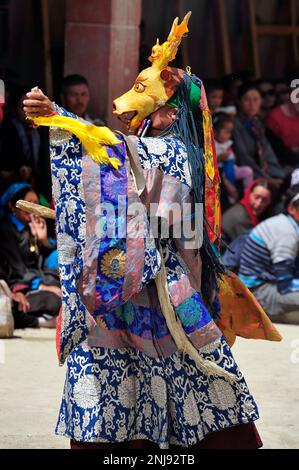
(165, 75)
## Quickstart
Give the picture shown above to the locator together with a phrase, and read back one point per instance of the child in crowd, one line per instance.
(223, 128)
(215, 94)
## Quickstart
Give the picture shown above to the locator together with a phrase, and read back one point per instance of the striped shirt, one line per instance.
(270, 254)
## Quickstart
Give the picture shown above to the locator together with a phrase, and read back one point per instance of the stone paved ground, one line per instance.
(31, 387)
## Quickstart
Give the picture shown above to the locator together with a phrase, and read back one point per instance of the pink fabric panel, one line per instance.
(135, 242)
(92, 193)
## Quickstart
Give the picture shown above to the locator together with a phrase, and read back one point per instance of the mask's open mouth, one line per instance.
(127, 117)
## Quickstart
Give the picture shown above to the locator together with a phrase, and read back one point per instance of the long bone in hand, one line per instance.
(36, 209)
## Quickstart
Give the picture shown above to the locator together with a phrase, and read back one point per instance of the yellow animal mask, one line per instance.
(156, 84)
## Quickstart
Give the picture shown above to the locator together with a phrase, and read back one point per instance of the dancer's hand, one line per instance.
(37, 104)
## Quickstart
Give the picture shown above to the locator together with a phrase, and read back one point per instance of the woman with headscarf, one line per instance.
(250, 143)
(24, 247)
(247, 213)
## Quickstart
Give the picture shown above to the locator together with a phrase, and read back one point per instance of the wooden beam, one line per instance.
(47, 47)
(277, 30)
(226, 51)
(254, 37)
(293, 6)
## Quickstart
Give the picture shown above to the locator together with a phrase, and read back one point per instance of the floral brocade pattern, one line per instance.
(168, 154)
(120, 395)
(66, 158)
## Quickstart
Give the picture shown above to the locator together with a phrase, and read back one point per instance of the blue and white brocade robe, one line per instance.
(125, 377)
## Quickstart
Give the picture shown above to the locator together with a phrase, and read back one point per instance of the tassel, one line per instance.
(177, 332)
(93, 138)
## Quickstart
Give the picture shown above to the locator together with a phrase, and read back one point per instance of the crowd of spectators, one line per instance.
(28, 255)
(256, 127)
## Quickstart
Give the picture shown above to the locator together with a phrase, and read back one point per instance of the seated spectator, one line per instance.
(282, 91)
(267, 91)
(269, 262)
(228, 192)
(223, 128)
(75, 97)
(24, 149)
(250, 143)
(24, 246)
(232, 256)
(215, 93)
(283, 132)
(232, 83)
(249, 212)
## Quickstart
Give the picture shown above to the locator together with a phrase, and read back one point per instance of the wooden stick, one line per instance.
(294, 25)
(254, 37)
(226, 51)
(37, 209)
(47, 47)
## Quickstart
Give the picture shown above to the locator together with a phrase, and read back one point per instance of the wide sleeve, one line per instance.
(105, 252)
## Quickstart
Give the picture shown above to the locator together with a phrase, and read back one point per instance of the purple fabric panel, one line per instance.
(205, 335)
(91, 172)
(119, 339)
(180, 291)
(135, 241)
(165, 347)
(167, 192)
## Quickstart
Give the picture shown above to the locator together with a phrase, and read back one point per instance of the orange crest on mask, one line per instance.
(156, 84)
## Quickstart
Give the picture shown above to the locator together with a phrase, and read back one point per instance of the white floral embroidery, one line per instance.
(209, 348)
(208, 417)
(166, 153)
(86, 391)
(86, 419)
(158, 387)
(59, 136)
(190, 408)
(61, 427)
(121, 433)
(109, 412)
(56, 187)
(66, 248)
(128, 392)
(155, 146)
(71, 206)
(222, 394)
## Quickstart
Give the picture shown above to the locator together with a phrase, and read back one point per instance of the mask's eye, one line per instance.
(139, 87)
